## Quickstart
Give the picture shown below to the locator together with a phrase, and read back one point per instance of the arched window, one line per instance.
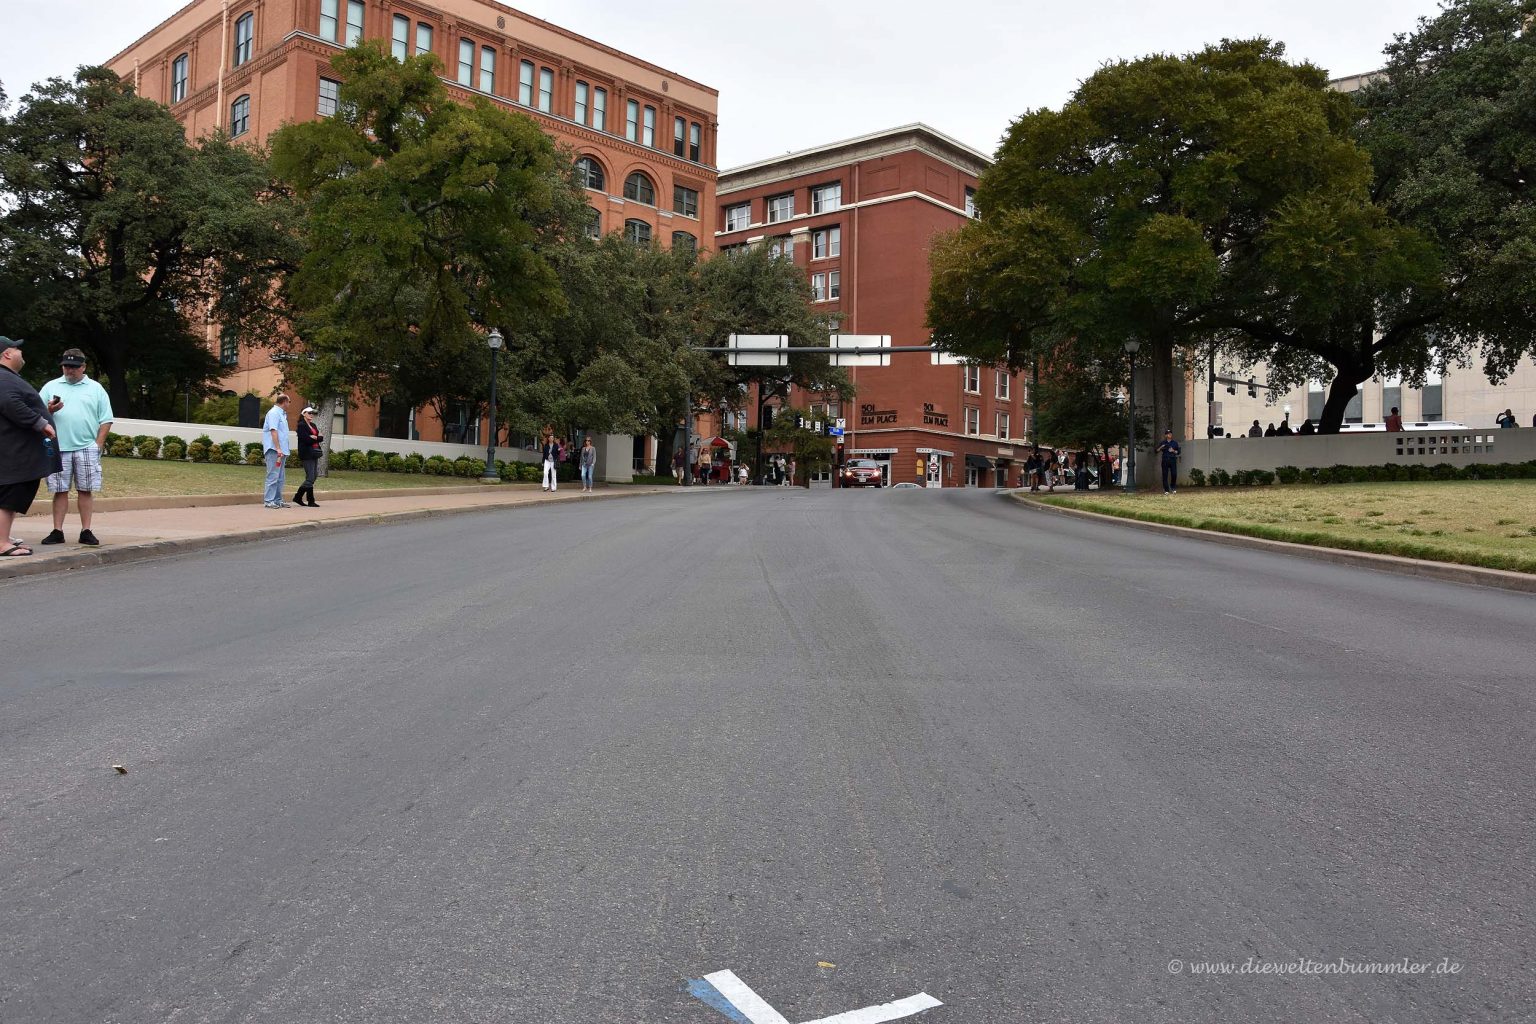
(239, 117)
(590, 173)
(683, 240)
(639, 188)
(637, 231)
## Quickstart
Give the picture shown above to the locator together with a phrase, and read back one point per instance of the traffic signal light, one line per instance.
(1253, 388)
(1231, 389)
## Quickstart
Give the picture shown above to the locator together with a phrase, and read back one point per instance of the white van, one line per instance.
(1366, 428)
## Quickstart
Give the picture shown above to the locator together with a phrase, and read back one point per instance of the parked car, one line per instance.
(862, 473)
(906, 485)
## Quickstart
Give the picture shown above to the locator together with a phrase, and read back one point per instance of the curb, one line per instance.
(1502, 579)
(162, 548)
(146, 502)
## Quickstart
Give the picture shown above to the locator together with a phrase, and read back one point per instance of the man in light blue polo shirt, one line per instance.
(274, 448)
(82, 421)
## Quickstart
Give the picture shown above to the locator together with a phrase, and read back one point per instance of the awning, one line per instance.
(978, 462)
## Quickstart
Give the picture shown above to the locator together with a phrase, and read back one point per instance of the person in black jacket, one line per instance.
(309, 456)
(549, 454)
(29, 448)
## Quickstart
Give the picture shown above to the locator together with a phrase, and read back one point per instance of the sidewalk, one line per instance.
(177, 525)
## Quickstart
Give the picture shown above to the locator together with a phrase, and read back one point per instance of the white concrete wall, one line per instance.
(339, 443)
(1459, 448)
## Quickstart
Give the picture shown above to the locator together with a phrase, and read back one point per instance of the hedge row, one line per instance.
(204, 449)
(1364, 474)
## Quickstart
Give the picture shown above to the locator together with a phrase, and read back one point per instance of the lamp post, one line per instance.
(490, 476)
(1131, 347)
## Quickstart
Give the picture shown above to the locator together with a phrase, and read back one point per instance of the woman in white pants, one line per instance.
(550, 453)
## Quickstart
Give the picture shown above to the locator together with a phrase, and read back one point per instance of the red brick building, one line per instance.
(645, 136)
(860, 216)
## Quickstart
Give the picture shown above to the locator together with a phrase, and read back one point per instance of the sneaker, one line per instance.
(268, 504)
(56, 537)
(89, 539)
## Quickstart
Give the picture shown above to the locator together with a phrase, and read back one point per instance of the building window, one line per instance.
(738, 217)
(826, 198)
(632, 120)
(1314, 401)
(818, 287)
(466, 62)
(488, 69)
(683, 240)
(179, 78)
(685, 201)
(229, 347)
(972, 421)
(693, 141)
(1002, 426)
(239, 117)
(423, 38)
(649, 138)
(835, 284)
(400, 38)
(582, 92)
(1003, 381)
(826, 243)
(970, 203)
(525, 83)
(354, 22)
(546, 90)
(782, 247)
(637, 231)
(679, 136)
(1391, 396)
(330, 96)
(781, 207)
(639, 188)
(590, 173)
(1432, 402)
(973, 380)
(595, 224)
(600, 109)
(328, 20)
(245, 37)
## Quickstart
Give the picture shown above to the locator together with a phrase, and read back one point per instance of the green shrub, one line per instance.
(1219, 477)
(1263, 477)
(168, 438)
(1323, 475)
(139, 439)
(395, 463)
(122, 448)
(1196, 477)
(1442, 471)
(1287, 474)
(149, 448)
(254, 454)
(378, 462)
(111, 442)
(197, 451)
(173, 451)
(233, 454)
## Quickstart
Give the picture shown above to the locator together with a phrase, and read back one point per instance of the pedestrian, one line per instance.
(588, 461)
(275, 449)
(29, 449)
(742, 473)
(1270, 431)
(1169, 450)
(82, 424)
(1032, 470)
(309, 456)
(1255, 430)
(1284, 429)
(1507, 421)
(791, 481)
(1394, 422)
(1306, 429)
(549, 454)
(677, 466)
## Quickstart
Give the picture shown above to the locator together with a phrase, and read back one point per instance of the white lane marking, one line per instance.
(884, 1012)
(751, 1005)
(757, 1010)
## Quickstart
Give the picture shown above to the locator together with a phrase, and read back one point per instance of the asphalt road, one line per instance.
(545, 766)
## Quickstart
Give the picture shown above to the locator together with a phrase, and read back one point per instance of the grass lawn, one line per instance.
(133, 478)
(1490, 523)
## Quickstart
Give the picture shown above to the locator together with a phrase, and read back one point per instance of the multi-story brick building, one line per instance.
(860, 216)
(644, 136)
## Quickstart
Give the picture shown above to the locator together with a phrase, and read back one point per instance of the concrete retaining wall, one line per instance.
(1458, 447)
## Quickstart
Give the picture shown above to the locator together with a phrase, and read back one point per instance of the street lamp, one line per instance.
(490, 476)
(1131, 347)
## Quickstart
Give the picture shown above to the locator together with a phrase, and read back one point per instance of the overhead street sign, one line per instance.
(759, 350)
(860, 341)
(946, 359)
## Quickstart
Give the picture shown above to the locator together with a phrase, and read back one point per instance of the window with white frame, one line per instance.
(782, 247)
(826, 198)
(423, 38)
(1002, 426)
(590, 173)
(400, 38)
(639, 188)
(781, 207)
(179, 76)
(973, 421)
(1003, 380)
(970, 203)
(685, 201)
(835, 285)
(488, 69)
(355, 9)
(826, 243)
(330, 97)
(738, 216)
(600, 109)
(819, 287)
(583, 92)
(329, 21)
(240, 117)
(466, 61)
(245, 37)
(525, 83)
(546, 90)
(632, 120)
(973, 380)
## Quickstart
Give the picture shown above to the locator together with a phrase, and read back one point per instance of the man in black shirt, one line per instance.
(1169, 450)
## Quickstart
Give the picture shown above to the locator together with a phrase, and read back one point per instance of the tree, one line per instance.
(1156, 204)
(1075, 410)
(791, 435)
(119, 238)
(428, 222)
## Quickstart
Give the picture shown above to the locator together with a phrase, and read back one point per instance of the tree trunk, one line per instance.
(326, 416)
(1162, 388)
(1343, 389)
(109, 365)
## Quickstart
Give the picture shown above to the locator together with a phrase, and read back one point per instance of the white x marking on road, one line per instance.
(752, 1008)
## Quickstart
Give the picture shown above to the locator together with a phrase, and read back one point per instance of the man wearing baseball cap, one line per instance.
(83, 423)
(28, 448)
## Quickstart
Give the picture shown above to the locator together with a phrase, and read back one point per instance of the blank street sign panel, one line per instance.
(860, 341)
(759, 350)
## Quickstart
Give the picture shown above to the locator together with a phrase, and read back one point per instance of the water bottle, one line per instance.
(48, 446)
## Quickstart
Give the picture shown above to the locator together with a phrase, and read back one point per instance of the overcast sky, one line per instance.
(799, 73)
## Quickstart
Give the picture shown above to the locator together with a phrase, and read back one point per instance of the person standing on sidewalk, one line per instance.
(309, 456)
(82, 423)
(275, 448)
(588, 460)
(1170, 451)
(29, 447)
(549, 454)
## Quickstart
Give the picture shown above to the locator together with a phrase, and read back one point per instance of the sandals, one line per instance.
(16, 551)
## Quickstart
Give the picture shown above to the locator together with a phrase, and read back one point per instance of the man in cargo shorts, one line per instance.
(82, 422)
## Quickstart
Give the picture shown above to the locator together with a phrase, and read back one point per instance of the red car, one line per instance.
(862, 473)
